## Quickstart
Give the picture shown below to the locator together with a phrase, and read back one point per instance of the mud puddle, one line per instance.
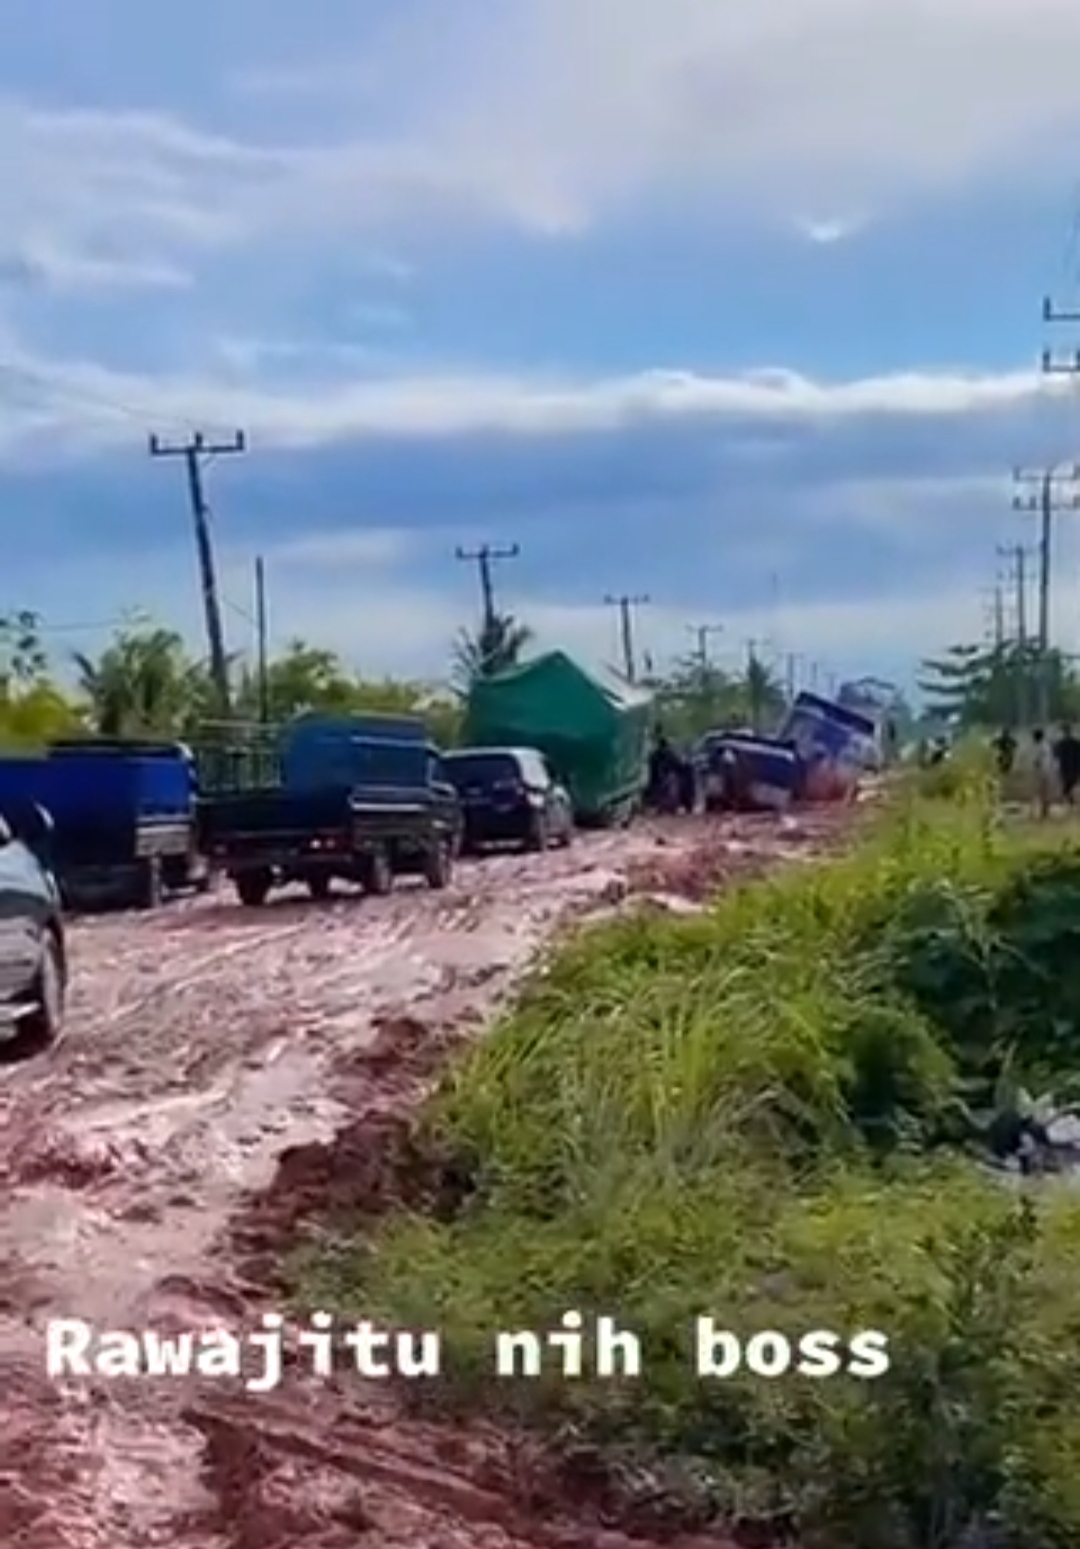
(204, 1042)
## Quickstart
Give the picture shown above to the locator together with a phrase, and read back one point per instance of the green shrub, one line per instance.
(741, 1115)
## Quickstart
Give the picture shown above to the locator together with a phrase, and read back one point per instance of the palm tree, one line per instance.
(763, 692)
(143, 684)
(496, 647)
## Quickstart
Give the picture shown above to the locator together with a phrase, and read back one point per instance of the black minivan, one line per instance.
(509, 795)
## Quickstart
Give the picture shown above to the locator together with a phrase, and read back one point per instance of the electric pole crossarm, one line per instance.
(1053, 314)
(199, 445)
(483, 558)
(1068, 364)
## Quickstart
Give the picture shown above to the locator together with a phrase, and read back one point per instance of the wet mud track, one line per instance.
(143, 1154)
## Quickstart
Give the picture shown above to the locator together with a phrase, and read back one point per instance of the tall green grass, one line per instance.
(754, 1114)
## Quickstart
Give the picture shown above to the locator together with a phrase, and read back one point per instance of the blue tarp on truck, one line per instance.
(322, 751)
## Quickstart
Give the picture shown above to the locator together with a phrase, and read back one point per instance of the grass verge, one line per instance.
(757, 1115)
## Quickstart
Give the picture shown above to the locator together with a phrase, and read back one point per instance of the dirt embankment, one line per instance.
(226, 1073)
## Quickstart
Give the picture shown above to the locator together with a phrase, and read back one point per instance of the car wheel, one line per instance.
(439, 864)
(538, 837)
(42, 1029)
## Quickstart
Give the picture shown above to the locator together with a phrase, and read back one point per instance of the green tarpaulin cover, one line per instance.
(593, 726)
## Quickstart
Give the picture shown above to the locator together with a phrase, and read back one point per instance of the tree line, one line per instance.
(1005, 684)
(146, 682)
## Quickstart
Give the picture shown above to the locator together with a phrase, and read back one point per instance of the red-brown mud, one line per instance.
(226, 1075)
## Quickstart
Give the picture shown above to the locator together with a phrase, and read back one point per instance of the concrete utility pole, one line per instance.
(626, 605)
(261, 636)
(483, 558)
(194, 452)
(1045, 500)
(701, 633)
(994, 600)
(1016, 554)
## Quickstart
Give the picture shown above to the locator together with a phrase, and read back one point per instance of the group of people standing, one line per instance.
(1055, 764)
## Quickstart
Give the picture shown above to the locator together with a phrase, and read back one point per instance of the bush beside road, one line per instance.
(779, 1113)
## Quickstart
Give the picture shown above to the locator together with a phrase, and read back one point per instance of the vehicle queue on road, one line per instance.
(362, 799)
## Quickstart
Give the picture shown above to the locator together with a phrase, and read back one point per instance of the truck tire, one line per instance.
(319, 888)
(439, 864)
(41, 1030)
(151, 883)
(252, 888)
(378, 872)
(538, 838)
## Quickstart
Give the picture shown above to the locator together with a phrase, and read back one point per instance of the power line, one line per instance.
(194, 453)
(626, 603)
(483, 558)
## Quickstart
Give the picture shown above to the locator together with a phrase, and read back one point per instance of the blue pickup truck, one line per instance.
(358, 798)
(123, 814)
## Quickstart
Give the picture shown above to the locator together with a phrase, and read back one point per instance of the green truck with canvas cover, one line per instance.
(593, 727)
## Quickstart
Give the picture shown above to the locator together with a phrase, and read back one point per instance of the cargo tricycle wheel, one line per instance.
(252, 888)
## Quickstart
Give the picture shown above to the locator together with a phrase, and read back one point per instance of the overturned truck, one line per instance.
(593, 727)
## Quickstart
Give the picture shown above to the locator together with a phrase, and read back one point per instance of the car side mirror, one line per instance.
(33, 826)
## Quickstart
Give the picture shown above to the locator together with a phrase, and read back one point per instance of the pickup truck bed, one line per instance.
(269, 838)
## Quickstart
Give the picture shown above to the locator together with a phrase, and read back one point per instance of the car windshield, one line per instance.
(481, 768)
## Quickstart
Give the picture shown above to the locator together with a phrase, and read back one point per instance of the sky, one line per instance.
(736, 308)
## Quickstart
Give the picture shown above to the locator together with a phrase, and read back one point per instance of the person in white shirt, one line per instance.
(1043, 768)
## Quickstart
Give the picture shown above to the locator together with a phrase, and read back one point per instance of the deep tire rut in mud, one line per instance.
(226, 1074)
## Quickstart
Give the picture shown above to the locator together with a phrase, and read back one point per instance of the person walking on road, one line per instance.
(1067, 758)
(1043, 770)
(1005, 750)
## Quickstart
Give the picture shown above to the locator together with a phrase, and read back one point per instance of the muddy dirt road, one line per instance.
(203, 1042)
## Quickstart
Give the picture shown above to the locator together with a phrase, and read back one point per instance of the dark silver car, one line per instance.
(509, 795)
(33, 953)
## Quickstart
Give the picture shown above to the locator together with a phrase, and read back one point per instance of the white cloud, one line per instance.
(579, 103)
(555, 113)
(40, 266)
(827, 233)
(81, 404)
(368, 547)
